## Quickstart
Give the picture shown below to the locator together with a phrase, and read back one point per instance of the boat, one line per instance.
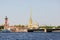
(5, 31)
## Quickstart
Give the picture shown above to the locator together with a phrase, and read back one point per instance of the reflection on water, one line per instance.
(30, 36)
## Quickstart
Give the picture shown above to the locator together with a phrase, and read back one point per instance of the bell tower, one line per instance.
(6, 26)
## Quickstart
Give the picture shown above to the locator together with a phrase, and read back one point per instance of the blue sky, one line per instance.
(45, 12)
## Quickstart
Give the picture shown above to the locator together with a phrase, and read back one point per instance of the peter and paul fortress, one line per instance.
(27, 28)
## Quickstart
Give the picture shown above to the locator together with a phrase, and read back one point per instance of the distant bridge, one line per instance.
(44, 30)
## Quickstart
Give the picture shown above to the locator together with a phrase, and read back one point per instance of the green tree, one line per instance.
(1, 27)
(58, 27)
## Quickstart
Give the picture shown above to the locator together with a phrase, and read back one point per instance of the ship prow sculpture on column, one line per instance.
(6, 25)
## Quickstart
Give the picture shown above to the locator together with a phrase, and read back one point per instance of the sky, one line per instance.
(44, 12)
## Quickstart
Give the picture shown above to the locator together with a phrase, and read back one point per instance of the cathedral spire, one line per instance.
(31, 16)
(30, 20)
(31, 12)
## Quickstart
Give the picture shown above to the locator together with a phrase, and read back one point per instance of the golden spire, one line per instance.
(30, 20)
(31, 16)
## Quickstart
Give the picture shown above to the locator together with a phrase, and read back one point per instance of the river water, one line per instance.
(30, 36)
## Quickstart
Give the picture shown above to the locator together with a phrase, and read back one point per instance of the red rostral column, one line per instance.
(6, 23)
